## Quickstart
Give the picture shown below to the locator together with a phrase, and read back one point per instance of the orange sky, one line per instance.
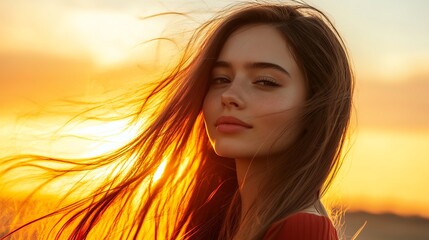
(52, 49)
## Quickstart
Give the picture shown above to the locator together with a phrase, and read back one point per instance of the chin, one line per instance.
(230, 152)
(224, 153)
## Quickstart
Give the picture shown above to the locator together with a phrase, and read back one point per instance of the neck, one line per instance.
(249, 175)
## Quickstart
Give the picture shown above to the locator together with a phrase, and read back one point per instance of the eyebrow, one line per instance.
(254, 65)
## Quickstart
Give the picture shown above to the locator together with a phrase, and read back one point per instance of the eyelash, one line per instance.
(267, 82)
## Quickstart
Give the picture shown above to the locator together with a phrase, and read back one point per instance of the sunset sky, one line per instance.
(55, 48)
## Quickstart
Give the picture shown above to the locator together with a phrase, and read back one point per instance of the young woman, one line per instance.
(252, 130)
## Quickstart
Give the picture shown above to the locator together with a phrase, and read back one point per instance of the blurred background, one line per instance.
(53, 49)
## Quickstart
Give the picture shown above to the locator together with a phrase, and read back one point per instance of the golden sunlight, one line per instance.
(160, 171)
(107, 37)
(386, 171)
(54, 50)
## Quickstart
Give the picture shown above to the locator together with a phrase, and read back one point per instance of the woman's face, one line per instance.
(256, 91)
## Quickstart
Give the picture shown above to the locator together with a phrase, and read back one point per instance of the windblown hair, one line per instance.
(197, 196)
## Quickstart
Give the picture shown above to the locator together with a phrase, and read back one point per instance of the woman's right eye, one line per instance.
(220, 80)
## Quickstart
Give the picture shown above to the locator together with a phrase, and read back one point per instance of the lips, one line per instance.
(229, 120)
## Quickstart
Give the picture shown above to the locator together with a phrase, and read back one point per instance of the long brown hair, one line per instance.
(202, 200)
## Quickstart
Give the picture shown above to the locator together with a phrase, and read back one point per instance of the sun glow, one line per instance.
(109, 36)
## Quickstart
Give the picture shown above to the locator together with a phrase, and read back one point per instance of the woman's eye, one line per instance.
(220, 80)
(267, 83)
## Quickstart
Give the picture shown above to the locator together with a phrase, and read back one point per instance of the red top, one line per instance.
(303, 226)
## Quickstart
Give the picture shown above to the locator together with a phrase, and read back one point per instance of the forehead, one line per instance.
(258, 43)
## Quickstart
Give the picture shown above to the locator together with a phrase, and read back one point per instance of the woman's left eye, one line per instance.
(266, 82)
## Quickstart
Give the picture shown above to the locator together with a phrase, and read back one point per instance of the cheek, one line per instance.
(281, 128)
(209, 107)
(276, 123)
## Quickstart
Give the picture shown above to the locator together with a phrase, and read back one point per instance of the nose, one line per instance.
(231, 98)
